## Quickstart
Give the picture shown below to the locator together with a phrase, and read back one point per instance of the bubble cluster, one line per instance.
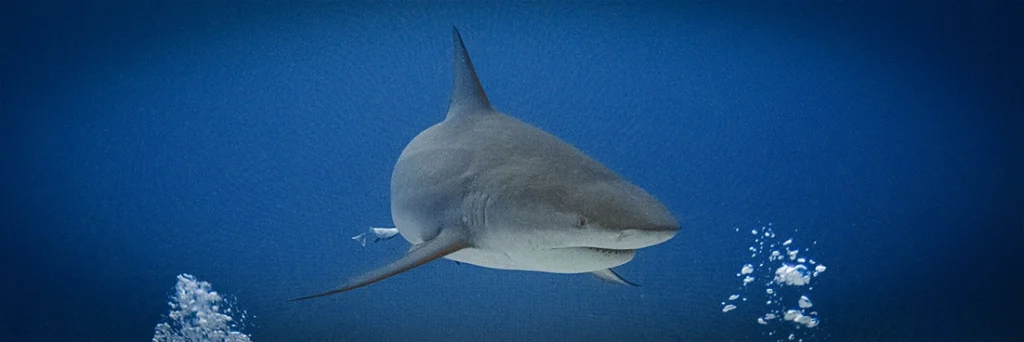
(779, 283)
(795, 275)
(199, 314)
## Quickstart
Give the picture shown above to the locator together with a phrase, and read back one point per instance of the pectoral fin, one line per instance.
(610, 276)
(448, 242)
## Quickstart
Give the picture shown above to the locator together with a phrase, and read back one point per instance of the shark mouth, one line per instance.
(609, 250)
(581, 259)
(601, 250)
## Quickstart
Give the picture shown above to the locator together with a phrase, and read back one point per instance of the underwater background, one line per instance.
(245, 143)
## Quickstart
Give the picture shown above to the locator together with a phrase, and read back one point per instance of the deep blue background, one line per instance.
(246, 143)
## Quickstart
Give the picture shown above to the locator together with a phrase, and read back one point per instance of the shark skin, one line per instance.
(486, 189)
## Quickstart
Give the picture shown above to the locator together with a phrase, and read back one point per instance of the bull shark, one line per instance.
(487, 189)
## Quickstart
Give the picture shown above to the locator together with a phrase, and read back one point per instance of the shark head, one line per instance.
(613, 215)
(588, 216)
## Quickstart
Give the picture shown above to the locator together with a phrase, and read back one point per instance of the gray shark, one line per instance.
(484, 188)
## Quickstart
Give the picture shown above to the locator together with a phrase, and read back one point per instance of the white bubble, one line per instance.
(761, 321)
(728, 308)
(792, 315)
(787, 242)
(769, 291)
(747, 269)
(804, 302)
(807, 321)
(754, 232)
(798, 317)
(792, 275)
(734, 297)
(748, 280)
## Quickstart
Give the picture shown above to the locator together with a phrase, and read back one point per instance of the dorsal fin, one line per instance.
(468, 96)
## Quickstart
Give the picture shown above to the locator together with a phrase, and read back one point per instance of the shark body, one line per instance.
(484, 188)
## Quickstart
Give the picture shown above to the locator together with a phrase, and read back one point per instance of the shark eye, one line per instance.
(581, 221)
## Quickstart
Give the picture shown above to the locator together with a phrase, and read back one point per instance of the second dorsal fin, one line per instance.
(468, 97)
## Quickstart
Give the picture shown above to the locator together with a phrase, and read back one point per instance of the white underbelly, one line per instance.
(558, 260)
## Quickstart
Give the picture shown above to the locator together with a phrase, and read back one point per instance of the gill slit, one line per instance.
(474, 210)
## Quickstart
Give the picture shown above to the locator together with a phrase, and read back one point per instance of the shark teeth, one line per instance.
(609, 250)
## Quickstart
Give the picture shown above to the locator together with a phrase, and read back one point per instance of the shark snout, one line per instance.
(633, 238)
(643, 222)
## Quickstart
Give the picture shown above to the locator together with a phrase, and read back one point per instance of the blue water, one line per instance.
(246, 143)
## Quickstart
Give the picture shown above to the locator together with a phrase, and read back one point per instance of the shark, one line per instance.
(484, 188)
